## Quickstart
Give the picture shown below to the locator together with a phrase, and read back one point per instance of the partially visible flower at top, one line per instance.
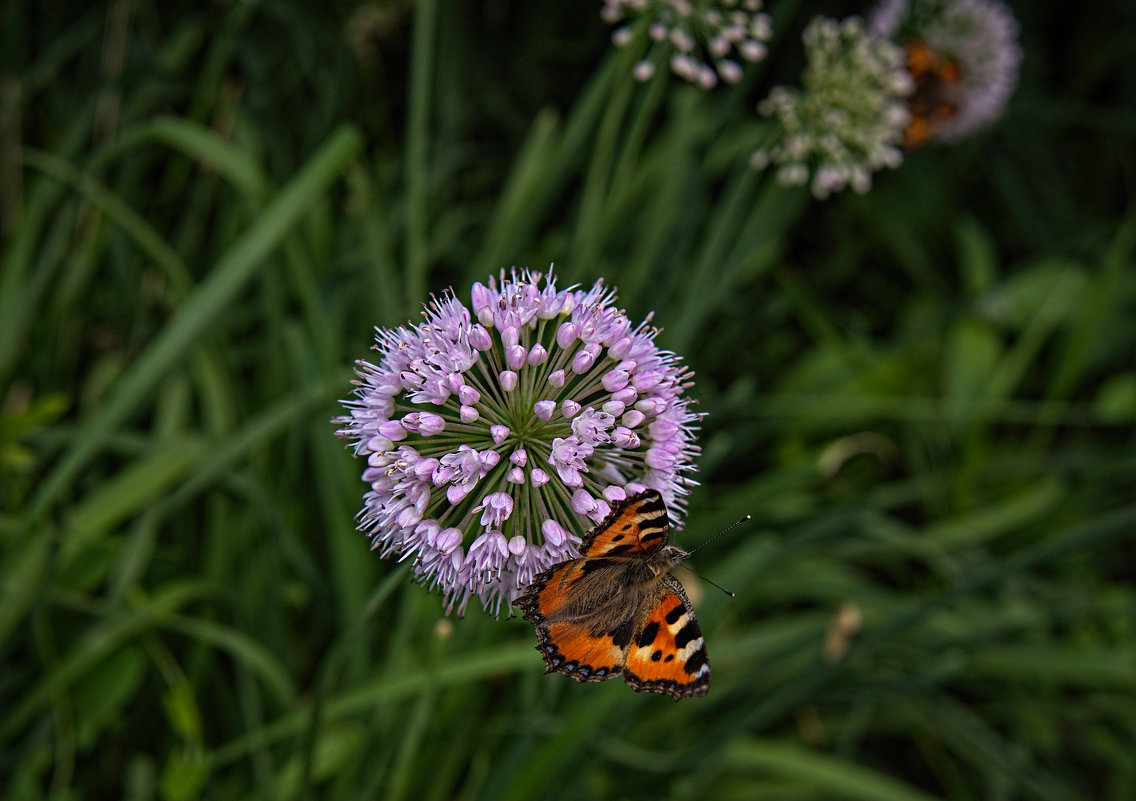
(963, 56)
(847, 120)
(704, 39)
(496, 437)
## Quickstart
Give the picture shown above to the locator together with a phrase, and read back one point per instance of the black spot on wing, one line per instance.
(621, 636)
(673, 615)
(696, 661)
(687, 633)
(649, 503)
(647, 635)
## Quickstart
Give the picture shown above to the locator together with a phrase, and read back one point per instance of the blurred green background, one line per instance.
(925, 396)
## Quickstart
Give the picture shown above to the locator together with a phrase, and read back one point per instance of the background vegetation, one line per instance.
(925, 396)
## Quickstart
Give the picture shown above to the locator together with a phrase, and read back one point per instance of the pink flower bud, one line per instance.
(482, 299)
(409, 517)
(625, 438)
(448, 539)
(582, 502)
(614, 494)
(601, 511)
(633, 418)
(479, 337)
(468, 395)
(620, 348)
(516, 356)
(554, 533)
(430, 424)
(544, 409)
(626, 396)
(566, 334)
(537, 355)
(615, 380)
(379, 444)
(647, 380)
(582, 362)
(392, 430)
(508, 380)
(651, 406)
(614, 408)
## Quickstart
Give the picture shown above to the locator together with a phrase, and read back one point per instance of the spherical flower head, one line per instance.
(703, 41)
(847, 120)
(496, 434)
(964, 56)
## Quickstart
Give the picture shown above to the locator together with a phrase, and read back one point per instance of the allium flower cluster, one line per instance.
(848, 119)
(497, 433)
(979, 37)
(705, 39)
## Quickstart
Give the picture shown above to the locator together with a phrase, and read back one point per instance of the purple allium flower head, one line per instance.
(703, 40)
(496, 434)
(979, 36)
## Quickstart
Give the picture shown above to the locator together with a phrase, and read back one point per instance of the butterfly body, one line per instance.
(617, 610)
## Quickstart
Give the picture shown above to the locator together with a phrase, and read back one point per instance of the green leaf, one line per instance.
(191, 324)
(831, 776)
(183, 776)
(180, 704)
(101, 694)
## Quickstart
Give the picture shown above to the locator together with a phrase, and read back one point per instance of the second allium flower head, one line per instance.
(978, 39)
(497, 434)
(917, 70)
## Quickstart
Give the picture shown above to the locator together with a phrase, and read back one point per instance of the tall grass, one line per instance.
(924, 396)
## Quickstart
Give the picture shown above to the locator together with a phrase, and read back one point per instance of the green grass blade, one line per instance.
(201, 308)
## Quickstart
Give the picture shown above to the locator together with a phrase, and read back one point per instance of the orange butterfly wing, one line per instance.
(657, 645)
(637, 526)
(569, 646)
(931, 105)
(668, 654)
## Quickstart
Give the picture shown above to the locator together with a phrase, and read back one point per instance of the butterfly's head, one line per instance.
(668, 557)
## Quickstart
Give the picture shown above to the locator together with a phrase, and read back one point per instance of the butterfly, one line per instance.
(618, 611)
(937, 80)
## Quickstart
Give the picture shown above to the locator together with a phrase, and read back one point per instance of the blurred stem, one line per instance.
(592, 206)
(709, 282)
(644, 116)
(417, 148)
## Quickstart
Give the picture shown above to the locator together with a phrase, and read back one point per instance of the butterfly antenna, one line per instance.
(719, 534)
(708, 581)
(703, 545)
